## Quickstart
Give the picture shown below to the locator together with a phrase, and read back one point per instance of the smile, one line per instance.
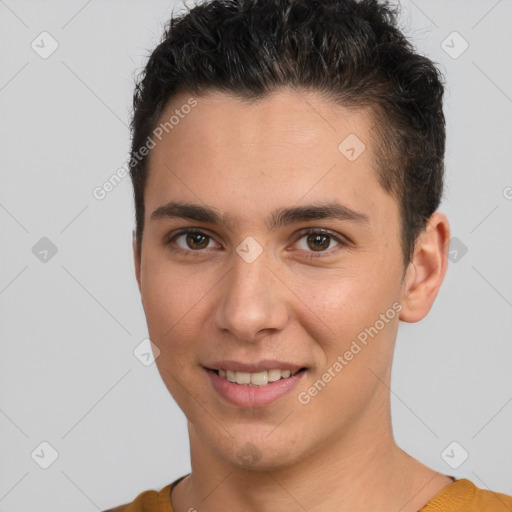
(254, 389)
(256, 379)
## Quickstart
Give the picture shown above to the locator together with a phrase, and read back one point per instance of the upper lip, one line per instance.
(260, 366)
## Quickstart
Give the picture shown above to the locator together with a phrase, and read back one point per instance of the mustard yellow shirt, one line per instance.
(460, 496)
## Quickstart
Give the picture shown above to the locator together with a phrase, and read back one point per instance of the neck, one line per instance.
(373, 477)
(361, 470)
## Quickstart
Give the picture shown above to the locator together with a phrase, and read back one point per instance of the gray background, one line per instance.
(69, 325)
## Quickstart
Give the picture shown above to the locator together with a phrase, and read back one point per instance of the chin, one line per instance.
(258, 453)
(252, 457)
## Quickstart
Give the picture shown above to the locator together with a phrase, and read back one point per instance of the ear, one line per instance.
(136, 259)
(426, 270)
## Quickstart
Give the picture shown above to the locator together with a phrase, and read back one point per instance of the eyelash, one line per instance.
(304, 233)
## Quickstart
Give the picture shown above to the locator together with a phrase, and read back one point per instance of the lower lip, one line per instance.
(254, 396)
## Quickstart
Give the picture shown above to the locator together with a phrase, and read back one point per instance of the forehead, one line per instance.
(287, 116)
(277, 151)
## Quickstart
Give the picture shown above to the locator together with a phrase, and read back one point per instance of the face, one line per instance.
(268, 246)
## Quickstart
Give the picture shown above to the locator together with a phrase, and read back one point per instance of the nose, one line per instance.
(252, 301)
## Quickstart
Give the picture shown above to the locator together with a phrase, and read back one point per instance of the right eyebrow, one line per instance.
(174, 210)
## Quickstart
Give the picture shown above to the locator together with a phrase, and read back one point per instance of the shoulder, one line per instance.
(151, 501)
(491, 501)
(148, 501)
(464, 496)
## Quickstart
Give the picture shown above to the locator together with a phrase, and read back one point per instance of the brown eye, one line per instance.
(197, 240)
(318, 241)
(191, 240)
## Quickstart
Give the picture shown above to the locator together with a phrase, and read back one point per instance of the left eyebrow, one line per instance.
(278, 218)
(333, 210)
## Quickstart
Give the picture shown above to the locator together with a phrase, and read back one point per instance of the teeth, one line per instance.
(256, 379)
(273, 375)
(243, 378)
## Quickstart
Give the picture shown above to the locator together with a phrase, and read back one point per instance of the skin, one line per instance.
(207, 304)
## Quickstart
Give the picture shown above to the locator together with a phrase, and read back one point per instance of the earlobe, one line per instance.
(136, 259)
(427, 269)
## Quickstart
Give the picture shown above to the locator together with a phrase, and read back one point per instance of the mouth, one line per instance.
(254, 386)
(256, 379)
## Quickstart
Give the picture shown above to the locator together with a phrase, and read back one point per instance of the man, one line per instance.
(287, 164)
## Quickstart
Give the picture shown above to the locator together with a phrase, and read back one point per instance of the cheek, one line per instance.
(171, 300)
(348, 299)
(357, 346)
(350, 309)
(172, 304)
